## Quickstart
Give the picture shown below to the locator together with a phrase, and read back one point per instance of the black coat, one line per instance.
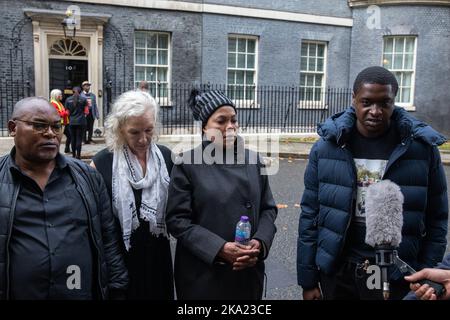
(76, 111)
(111, 272)
(205, 203)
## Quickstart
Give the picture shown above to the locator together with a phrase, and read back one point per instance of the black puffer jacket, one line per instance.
(111, 273)
(330, 188)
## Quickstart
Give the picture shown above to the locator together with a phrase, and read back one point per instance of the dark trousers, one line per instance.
(89, 129)
(68, 138)
(350, 283)
(77, 135)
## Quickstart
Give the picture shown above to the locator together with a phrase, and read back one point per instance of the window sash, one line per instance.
(152, 61)
(242, 69)
(311, 53)
(399, 56)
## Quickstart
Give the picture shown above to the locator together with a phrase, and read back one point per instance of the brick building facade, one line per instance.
(309, 45)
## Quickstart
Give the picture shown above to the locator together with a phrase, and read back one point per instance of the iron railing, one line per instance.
(273, 109)
(11, 91)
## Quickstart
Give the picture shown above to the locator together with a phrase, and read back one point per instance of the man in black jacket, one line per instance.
(93, 111)
(57, 234)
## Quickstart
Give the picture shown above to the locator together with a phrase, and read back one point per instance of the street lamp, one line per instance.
(69, 22)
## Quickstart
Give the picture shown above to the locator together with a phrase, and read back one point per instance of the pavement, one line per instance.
(270, 145)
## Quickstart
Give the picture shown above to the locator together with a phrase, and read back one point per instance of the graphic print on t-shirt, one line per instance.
(369, 171)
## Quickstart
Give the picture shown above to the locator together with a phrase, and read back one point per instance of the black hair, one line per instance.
(377, 75)
(76, 94)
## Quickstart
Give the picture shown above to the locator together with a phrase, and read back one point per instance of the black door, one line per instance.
(67, 73)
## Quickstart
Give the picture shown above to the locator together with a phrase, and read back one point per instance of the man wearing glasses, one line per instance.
(57, 235)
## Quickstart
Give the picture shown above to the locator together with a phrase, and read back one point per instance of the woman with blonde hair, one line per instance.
(56, 101)
(136, 172)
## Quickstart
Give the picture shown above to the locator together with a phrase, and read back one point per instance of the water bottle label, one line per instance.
(242, 236)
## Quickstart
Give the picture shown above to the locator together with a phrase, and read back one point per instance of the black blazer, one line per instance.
(76, 116)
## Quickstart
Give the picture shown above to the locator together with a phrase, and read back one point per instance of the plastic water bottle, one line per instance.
(243, 231)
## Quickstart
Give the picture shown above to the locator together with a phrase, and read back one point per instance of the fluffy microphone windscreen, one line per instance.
(384, 214)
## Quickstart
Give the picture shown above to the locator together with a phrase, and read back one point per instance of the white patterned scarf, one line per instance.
(128, 174)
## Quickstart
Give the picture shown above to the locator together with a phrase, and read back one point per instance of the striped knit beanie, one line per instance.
(204, 104)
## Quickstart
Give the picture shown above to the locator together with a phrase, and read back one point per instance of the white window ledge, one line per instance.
(246, 104)
(164, 102)
(406, 106)
(312, 105)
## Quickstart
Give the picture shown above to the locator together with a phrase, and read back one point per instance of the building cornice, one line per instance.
(225, 10)
(52, 15)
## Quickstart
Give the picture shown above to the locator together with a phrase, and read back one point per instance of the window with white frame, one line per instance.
(152, 61)
(399, 57)
(312, 71)
(242, 62)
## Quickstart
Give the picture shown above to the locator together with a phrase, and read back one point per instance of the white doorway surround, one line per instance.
(47, 30)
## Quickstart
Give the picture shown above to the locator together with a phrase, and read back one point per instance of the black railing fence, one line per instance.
(267, 109)
(11, 91)
(271, 109)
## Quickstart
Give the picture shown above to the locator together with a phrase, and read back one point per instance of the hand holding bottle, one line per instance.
(249, 260)
(231, 251)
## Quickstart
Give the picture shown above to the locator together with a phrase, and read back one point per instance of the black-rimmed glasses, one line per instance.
(42, 127)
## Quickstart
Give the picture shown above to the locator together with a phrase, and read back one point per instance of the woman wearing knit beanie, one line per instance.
(207, 200)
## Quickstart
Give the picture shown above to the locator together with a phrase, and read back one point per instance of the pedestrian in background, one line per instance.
(56, 101)
(92, 114)
(77, 106)
(143, 86)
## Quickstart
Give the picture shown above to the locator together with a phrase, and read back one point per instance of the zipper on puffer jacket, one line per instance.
(315, 221)
(354, 174)
(11, 223)
(89, 182)
(397, 153)
(91, 231)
